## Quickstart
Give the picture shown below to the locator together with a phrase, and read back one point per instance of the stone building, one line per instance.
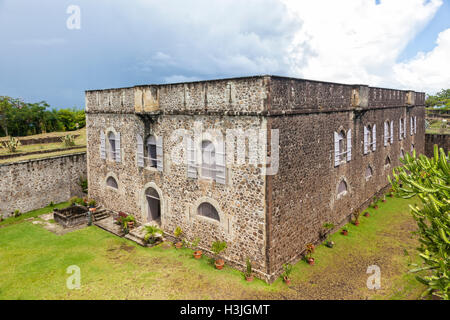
(261, 162)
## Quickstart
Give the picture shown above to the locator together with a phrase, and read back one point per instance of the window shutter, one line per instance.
(220, 163)
(159, 154)
(374, 137)
(191, 158)
(386, 133)
(404, 128)
(392, 132)
(400, 135)
(102, 145)
(117, 154)
(336, 149)
(411, 125)
(140, 151)
(366, 143)
(415, 124)
(349, 145)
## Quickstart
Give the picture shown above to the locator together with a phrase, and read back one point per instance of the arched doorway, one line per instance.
(153, 205)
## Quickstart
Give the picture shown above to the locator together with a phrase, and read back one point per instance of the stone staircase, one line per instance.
(100, 214)
(137, 235)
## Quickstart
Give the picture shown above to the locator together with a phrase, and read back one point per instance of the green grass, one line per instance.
(79, 142)
(32, 214)
(33, 263)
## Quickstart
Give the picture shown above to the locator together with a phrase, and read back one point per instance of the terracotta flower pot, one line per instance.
(311, 261)
(384, 200)
(249, 278)
(219, 264)
(130, 224)
(366, 214)
(198, 254)
(375, 207)
(356, 223)
(391, 195)
(178, 245)
(344, 232)
(287, 280)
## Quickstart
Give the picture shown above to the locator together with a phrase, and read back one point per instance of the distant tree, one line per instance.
(441, 98)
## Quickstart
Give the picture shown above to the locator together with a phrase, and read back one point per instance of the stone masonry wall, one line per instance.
(33, 184)
(240, 202)
(442, 140)
(303, 195)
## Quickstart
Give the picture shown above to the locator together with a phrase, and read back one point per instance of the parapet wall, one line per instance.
(259, 95)
(33, 184)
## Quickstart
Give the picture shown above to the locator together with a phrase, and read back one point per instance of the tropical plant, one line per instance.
(12, 144)
(217, 247)
(287, 267)
(17, 213)
(428, 179)
(177, 233)
(92, 203)
(248, 270)
(151, 233)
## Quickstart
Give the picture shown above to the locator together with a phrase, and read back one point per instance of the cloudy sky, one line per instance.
(389, 43)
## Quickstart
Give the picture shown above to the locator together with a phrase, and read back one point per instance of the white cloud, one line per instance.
(358, 41)
(430, 71)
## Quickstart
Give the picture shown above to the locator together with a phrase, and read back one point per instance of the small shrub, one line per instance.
(92, 203)
(152, 231)
(51, 205)
(83, 183)
(12, 144)
(17, 213)
(68, 140)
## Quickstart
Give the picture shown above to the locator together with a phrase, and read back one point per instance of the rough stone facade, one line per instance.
(442, 140)
(268, 218)
(33, 184)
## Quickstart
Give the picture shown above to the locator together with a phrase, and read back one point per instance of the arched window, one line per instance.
(369, 136)
(112, 145)
(207, 210)
(342, 188)
(369, 172)
(387, 161)
(153, 205)
(111, 182)
(208, 160)
(151, 151)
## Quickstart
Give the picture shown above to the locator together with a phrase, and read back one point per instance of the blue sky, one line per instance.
(394, 43)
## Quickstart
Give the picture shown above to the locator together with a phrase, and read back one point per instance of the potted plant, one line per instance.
(309, 251)
(287, 272)
(248, 271)
(325, 231)
(356, 214)
(152, 233)
(92, 205)
(217, 247)
(330, 243)
(177, 233)
(374, 203)
(197, 253)
(344, 231)
(366, 214)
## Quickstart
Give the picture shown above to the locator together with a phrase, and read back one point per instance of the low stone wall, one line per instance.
(33, 184)
(442, 140)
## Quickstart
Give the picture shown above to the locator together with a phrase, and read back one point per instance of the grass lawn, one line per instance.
(33, 263)
(79, 141)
